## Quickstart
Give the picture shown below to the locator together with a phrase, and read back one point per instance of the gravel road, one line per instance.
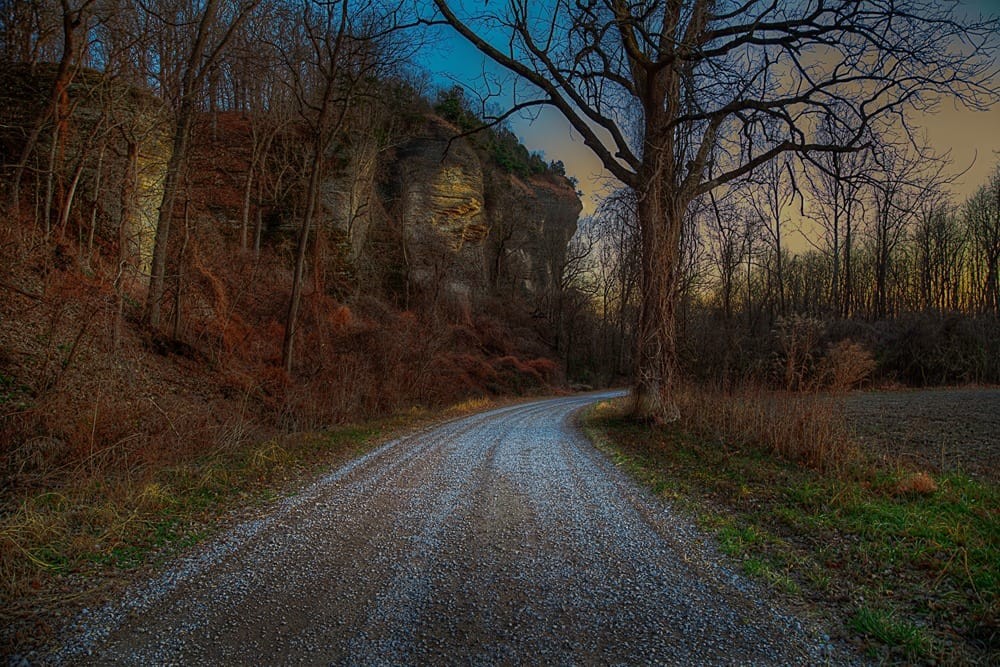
(504, 537)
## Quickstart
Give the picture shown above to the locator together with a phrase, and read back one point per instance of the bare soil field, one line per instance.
(937, 430)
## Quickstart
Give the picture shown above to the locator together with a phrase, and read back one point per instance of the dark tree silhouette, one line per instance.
(678, 97)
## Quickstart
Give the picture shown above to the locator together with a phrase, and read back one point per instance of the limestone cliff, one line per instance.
(442, 186)
(455, 205)
(532, 221)
(111, 155)
(411, 205)
(436, 210)
(350, 195)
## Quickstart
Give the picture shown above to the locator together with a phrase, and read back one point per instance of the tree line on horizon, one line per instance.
(910, 277)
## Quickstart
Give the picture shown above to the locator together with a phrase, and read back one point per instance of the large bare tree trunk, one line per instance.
(58, 106)
(312, 195)
(130, 181)
(199, 64)
(660, 223)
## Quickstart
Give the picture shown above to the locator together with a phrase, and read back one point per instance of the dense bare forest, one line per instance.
(266, 190)
(213, 177)
(890, 276)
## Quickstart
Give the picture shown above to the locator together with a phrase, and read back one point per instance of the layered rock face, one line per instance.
(532, 222)
(350, 195)
(495, 229)
(434, 207)
(442, 187)
(438, 210)
(113, 163)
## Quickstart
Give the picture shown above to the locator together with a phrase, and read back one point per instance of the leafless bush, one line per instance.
(797, 338)
(846, 365)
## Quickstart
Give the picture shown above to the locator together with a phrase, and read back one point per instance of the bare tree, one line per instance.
(901, 182)
(618, 255)
(770, 191)
(727, 233)
(662, 90)
(28, 31)
(982, 215)
(201, 32)
(340, 51)
(836, 187)
(252, 72)
(73, 18)
(939, 248)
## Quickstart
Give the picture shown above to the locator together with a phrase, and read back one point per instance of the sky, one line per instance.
(971, 137)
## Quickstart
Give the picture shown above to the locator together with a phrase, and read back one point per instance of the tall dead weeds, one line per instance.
(803, 427)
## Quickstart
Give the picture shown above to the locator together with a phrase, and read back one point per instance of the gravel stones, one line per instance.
(498, 538)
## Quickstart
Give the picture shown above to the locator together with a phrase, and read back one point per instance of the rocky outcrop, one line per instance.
(112, 153)
(438, 209)
(350, 195)
(455, 207)
(441, 186)
(434, 210)
(532, 222)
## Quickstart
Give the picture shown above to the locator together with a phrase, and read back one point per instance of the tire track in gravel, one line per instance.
(503, 537)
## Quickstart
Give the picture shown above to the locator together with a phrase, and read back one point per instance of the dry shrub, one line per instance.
(918, 483)
(268, 455)
(846, 365)
(458, 375)
(340, 318)
(471, 405)
(547, 369)
(515, 375)
(797, 337)
(800, 427)
(494, 336)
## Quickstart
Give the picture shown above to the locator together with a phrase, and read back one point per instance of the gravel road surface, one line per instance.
(504, 537)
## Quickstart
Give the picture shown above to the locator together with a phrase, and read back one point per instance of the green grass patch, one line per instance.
(887, 629)
(736, 541)
(926, 548)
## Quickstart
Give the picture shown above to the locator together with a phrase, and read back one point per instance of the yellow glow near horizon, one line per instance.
(971, 139)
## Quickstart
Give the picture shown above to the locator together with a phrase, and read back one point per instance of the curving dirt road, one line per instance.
(498, 538)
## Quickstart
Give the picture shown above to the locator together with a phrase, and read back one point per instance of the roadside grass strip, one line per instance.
(902, 565)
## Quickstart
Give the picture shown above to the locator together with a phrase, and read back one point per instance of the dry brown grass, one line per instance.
(801, 364)
(847, 364)
(803, 427)
(918, 483)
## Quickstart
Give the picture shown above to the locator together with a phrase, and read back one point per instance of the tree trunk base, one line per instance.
(651, 404)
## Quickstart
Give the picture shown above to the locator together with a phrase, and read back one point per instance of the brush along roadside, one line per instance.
(902, 564)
